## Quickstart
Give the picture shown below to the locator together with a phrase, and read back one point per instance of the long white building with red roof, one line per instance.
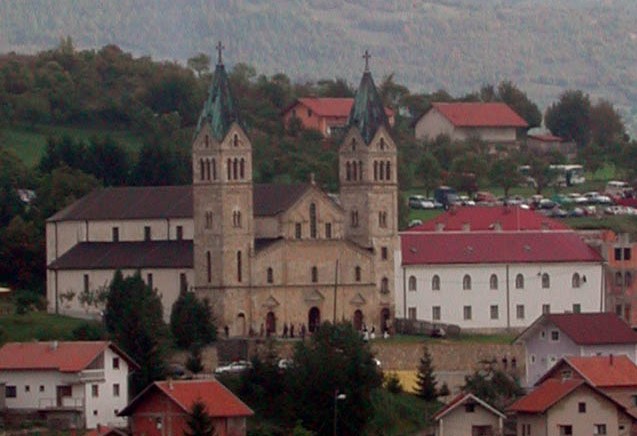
(486, 269)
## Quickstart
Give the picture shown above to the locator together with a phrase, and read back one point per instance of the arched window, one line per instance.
(229, 167)
(235, 169)
(575, 281)
(353, 144)
(314, 274)
(618, 278)
(466, 282)
(209, 266)
(412, 283)
(387, 170)
(493, 282)
(360, 170)
(357, 273)
(375, 170)
(354, 218)
(384, 285)
(435, 283)
(348, 171)
(214, 169)
(202, 169)
(270, 275)
(546, 281)
(239, 275)
(354, 171)
(235, 140)
(381, 171)
(207, 169)
(382, 143)
(207, 141)
(312, 220)
(519, 281)
(242, 165)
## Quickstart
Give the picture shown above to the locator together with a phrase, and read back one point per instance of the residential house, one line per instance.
(555, 335)
(493, 123)
(83, 384)
(547, 142)
(325, 114)
(489, 269)
(560, 407)
(164, 407)
(467, 414)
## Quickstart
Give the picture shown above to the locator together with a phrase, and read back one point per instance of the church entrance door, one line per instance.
(384, 319)
(314, 319)
(270, 323)
(358, 320)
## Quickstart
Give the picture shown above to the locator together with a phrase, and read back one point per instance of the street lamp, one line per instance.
(337, 397)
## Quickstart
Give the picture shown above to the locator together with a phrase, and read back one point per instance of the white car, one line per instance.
(285, 363)
(234, 368)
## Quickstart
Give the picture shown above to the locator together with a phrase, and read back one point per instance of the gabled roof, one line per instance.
(462, 398)
(271, 199)
(55, 356)
(329, 106)
(219, 401)
(586, 328)
(479, 114)
(367, 113)
(489, 218)
(546, 395)
(436, 248)
(220, 110)
(131, 254)
(600, 371)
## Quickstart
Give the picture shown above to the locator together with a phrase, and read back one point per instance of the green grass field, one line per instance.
(37, 326)
(28, 142)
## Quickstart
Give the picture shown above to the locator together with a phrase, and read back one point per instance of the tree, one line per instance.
(335, 360)
(133, 317)
(520, 103)
(428, 172)
(493, 386)
(607, 127)
(425, 380)
(199, 422)
(391, 92)
(108, 161)
(194, 363)
(570, 117)
(467, 171)
(200, 64)
(191, 321)
(593, 156)
(505, 174)
(540, 171)
(62, 187)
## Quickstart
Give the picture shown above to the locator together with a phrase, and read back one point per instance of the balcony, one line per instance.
(91, 375)
(62, 403)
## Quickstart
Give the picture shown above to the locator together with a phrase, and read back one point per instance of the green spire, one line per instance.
(368, 112)
(219, 110)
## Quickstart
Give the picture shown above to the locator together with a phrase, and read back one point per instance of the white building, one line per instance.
(495, 279)
(82, 384)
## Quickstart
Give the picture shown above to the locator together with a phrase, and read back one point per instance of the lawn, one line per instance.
(38, 326)
(29, 142)
(502, 338)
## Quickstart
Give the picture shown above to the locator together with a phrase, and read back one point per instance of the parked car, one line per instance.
(414, 223)
(484, 197)
(234, 368)
(419, 202)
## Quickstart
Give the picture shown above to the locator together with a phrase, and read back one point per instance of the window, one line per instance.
(565, 430)
(383, 253)
(207, 141)
(627, 253)
(314, 274)
(236, 218)
(313, 221)
(411, 312)
(382, 219)
(633, 400)
(375, 170)
(581, 407)
(575, 281)
(628, 278)
(382, 143)
(577, 308)
(618, 254)
(435, 313)
(209, 266)
(116, 390)
(566, 373)
(147, 235)
(357, 273)
(388, 170)
(555, 335)
(348, 171)
(526, 429)
(95, 391)
(599, 429)
(546, 308)
(183, 283)
(235, 140)
(466, 282)
(494, 311)
(239, 266)
(493, 282)
(546, 281)
(180, 233)
(618, 278)
(94, 412)
(115, 234)
(328, 230)
(532, 358)
(470, 407)
(384, 285)
(519, 311)
(466, 312)
(10, 392)
(209, 219)
(242, 166)
(115, 362)
(86, 283)
(543, 334)
(412, 283)
(435, 283)
(270, 275)
(297, 230)
(202, 169)
(27, 388)
(149, 280)
(354, 218)
(519, 281)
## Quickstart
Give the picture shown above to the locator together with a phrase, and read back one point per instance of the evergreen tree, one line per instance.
(194, 363)
(199, 421)
(426, 381)
(191, 321)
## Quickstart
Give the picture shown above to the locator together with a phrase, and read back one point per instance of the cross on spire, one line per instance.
(366, 56)
(220, 48)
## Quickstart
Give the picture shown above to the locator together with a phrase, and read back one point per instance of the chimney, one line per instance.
(497, 226)
(54, 345)
(440, 227)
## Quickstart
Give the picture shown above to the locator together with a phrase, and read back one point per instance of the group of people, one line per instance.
(371, 334)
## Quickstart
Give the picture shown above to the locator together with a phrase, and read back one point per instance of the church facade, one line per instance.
(263, 255)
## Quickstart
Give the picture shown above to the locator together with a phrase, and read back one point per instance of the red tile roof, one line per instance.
(219, 401)
(594, 328)
(487, 218)
(546, 138)
(329, 107)
(494, 247)
(480, 114)
(461, 398)
(56, 356)
(546, 395)
(600, 371)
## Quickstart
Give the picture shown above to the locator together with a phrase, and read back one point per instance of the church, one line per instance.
(264, 255)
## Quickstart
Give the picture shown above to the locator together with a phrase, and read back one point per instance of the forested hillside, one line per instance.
(543, 46)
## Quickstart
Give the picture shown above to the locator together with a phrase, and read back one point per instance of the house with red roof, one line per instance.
(324, 114)
(547, 142)
(79, 384)
(493, 123)
(163, 408)
(489, 269)
(570, 407)
(555, 335)
(467, 414)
